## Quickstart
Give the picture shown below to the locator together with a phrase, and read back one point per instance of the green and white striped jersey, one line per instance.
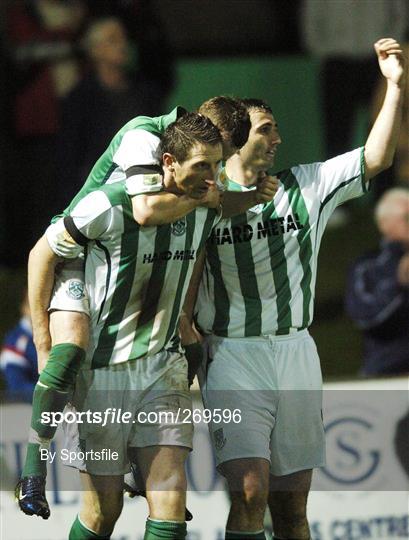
(132, 155)
(136, 277)
(261, 266)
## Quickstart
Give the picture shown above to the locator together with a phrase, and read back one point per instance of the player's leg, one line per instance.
(297, 441)
(287, 502)
(248, 483)
(160, 442)
(238, 378)
(69, 328)
(102, 502)
(163, 469)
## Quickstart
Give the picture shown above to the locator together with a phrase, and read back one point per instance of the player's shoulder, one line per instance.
(115, 193)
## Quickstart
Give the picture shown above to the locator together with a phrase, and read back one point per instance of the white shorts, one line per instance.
(70, 293)
(154, 384)
(276, 384)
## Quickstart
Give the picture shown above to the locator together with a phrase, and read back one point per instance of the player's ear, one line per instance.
(168, 162)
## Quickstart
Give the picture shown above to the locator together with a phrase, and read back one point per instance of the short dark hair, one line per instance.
(188, 130)
(256, 104)
(230, 116)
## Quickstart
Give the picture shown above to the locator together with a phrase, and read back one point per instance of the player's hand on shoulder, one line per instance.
(212, 197)
(267, 187)
(391, 58)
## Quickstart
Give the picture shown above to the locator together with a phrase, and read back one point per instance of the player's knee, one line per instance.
(253, 494)
(168, 481)
(101, 515)
(166, 504)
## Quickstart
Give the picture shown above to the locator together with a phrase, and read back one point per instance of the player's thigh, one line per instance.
(288, 496)
(163, 467)
(69, 327)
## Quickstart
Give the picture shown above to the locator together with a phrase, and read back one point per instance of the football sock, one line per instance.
(243, 535)
(159, 530)
(51, 394)
(80, 532)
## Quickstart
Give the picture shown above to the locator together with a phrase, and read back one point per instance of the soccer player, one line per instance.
(255, 304)
(132, 155)
(136, 278)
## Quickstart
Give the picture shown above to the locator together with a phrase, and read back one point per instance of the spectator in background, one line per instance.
(18, 359)
(101, 104)
(41, 66)
(377, 296)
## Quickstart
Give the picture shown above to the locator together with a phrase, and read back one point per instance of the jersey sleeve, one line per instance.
(138, 147)
(138, 156)
(336, 180)
(88, 220)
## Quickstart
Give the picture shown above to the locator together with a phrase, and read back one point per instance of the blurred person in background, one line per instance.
(377, 295)
(41, 66)
(107, 97)
(18, 358)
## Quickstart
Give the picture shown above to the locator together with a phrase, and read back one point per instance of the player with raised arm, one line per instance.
(255, 304)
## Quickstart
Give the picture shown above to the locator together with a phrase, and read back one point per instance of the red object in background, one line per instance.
(34, 49)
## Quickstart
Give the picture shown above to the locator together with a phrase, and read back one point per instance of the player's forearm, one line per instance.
(382, 141)
(236, 202)
(191, 295)
(153, 210)
(41, 266)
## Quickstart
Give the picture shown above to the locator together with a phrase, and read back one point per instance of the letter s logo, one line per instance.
(350, 461)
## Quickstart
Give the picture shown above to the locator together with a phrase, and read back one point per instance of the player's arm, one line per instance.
(41, 266)
(151, 209)
(383, 138)
(236, 202)
(157, 209)
(190, 337)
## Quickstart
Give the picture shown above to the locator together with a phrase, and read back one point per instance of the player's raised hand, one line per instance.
(391, 60)
(267, 187)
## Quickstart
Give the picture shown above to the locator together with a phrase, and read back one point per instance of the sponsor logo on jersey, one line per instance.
(76, 289)
(152, 179)
(219, 439)
(179, 227)
(178, 255)
(244, 233)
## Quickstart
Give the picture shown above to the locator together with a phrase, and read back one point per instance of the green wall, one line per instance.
(289, 85)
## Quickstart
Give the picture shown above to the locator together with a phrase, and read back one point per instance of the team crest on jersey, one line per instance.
(179, 227)
(219, 439)
(76, 289)
(152, 179)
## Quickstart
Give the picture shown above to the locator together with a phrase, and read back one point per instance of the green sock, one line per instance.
(243, 535)
(51, 394)
(80, 532)
(158, 530)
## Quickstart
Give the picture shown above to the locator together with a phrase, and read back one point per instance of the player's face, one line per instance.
(264, 138)
(192, 175)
